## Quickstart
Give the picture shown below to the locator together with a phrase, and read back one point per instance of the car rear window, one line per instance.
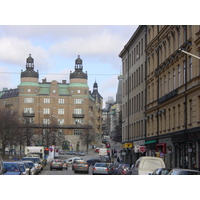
(101, 165)
(151, 164)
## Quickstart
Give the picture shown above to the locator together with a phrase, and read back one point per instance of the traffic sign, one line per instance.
(142, 149)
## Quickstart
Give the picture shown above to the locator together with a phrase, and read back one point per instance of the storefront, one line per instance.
(151, 147)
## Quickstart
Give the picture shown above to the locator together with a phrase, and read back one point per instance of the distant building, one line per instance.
(68, 107)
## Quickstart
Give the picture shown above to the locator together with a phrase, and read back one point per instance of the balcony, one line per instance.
(28, 114)
(78, 115)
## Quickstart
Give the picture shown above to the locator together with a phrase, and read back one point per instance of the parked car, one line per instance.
(147, 164)
(116, 168)
(61, 152)
(71, 160)
(65, 164)
(28, 171)
(23, 168)
(80, 153)
(3, 170)
(35, 160)
(178, 171)
(130, 169)
(76, 161)
(12, 168)
(107, 145)
(31, 166)
(92, 161)
(81, 167)
(110, 165)
(96, 150)
(123, 169)
(70, 152)
(100, 168)
(56, 164)
(160, 171)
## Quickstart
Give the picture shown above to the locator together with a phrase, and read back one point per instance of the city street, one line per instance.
(91, 154)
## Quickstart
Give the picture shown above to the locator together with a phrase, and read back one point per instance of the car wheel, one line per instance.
(61, 169)
(50, 168)
(74, 171)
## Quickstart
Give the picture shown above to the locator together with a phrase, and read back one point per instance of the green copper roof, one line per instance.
(78, 85)
(29, 84)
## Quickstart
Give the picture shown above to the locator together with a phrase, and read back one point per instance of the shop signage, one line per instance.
(127, 145)
(142, 149)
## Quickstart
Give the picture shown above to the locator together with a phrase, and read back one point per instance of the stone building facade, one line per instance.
(172, 97)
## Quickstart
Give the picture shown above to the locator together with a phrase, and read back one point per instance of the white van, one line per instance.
(147, 164)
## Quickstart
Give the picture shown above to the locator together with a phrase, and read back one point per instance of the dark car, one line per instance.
(92, 161)
(81, 167)
(105, 159)
(178, 171)
(12, 168)
(160, 171)
(76, 161)
(56, 164)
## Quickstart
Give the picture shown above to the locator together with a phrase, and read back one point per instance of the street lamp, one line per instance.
(190, 54)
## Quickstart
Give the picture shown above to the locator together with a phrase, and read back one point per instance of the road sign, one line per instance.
(142, 149)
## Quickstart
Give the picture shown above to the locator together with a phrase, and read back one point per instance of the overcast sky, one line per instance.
(55, 48)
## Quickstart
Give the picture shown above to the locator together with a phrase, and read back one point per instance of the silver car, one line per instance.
(100, 168)
(32, 169)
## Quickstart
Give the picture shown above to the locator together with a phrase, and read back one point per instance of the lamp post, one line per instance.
(190, 54)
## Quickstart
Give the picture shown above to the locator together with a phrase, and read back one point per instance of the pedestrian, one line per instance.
(118, 159)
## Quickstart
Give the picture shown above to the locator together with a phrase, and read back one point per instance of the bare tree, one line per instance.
(9, 126)
(87, 137)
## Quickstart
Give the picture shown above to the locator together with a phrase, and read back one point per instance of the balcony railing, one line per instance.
(78, 115)
(28, 114)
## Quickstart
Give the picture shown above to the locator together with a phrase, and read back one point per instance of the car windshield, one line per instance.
(101, 165)
(31, 164)
(11, 167)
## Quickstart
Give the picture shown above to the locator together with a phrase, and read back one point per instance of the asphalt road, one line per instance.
(90, 154)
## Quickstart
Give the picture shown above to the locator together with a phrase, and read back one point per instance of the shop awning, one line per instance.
(150, 142)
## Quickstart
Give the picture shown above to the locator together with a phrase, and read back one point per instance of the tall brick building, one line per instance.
(70, 108)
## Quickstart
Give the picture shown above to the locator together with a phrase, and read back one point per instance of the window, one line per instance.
(61, 101)
(28, 110)
(46, 121)
(190, 68)
(174, 81)
(60, 121)
(78, 132)
(78, 111)
(78, 121)
(179, 75)
(72, 91)
(46, 100)
(184, 71)
(61, 111)
(78, 91)
(22, 90)
(29, 90)
(54, 91)
(46, 111)
(28, 100)
(78, 101)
